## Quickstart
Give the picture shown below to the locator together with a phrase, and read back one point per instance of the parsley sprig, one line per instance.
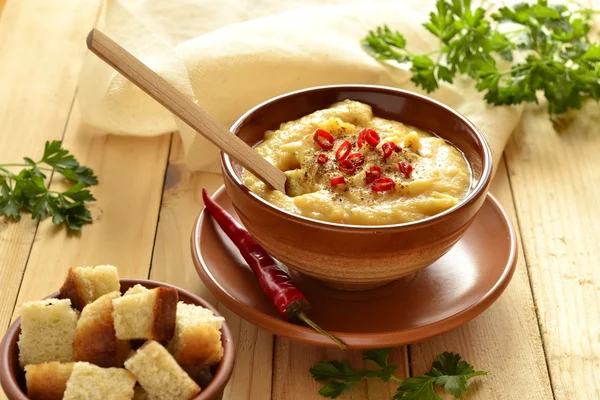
(26, 190)
(551, 43)
(448, 371)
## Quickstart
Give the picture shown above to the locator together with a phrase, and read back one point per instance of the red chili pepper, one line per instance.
(337, 180)
(383, 184)
(372, 174)
(324, 139)
(322, 158)
(388, 149)
(275, 282)
(361, 138)
(372, 137)
(405, 169)
(347, 167)
(343, 151)
(356, 158)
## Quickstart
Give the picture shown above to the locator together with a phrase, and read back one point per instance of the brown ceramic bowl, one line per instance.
(356, 257)
(12, 376)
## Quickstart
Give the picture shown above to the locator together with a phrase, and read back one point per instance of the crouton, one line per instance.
(147, 315)
(47, 331)
(47, 381)
(83, 285)
(197, 337)
(160, 375)
(90, 382)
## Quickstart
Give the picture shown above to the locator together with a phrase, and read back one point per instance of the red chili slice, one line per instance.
(347, 167)
(324, 139)
(383, 184)
(372, 174)
(397, 148)
(357, 159)
(361, 138)
(405, 169)
(343, 151)
(372, 137)
(388, 149)
(322, 158)
(337, 180)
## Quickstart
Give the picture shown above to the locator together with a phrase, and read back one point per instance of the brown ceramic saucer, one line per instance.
(443, 296)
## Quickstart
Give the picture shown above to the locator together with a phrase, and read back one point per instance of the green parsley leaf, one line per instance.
(592, 53)
(76, 215)
(424, 73)
(78, 174)
(55, 155)
(444, 74)
(419, 388)
(77, 193)
(448, 371)
(39, 207)
(385, 44)
(327, 370)
(340, 377)
(334, 389)
(12, 209)
(378, 356)
(560, 60)
(26, 190)
(9, 204)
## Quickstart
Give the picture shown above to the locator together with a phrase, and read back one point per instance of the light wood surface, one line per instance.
(38, 79)
(540, 340)
(556, 184)
(184, 107)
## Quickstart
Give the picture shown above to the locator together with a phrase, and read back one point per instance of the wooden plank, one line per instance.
(172, 263)
(131, 174)
(292, 379)
(504, 340)
(253, 370)
(38, 77)
(555, 178)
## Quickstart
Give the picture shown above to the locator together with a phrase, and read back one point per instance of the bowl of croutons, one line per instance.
(101, 337)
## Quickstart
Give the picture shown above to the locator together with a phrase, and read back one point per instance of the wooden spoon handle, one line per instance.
(183, 107)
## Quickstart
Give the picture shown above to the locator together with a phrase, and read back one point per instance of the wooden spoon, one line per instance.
(183, 107)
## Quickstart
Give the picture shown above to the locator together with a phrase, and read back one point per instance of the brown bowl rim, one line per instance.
(216, 386)
(278, 326)
(471, 197)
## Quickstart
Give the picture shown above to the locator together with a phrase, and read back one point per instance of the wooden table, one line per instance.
(540, 340)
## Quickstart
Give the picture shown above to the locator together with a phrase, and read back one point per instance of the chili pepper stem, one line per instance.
(317, 328)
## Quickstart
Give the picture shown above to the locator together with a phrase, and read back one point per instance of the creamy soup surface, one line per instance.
(346, 166)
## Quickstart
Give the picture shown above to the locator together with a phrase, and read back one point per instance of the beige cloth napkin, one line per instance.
(229, 55)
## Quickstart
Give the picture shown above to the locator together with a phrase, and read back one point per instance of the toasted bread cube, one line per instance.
(147, 315)
(136, 289)
(95, 339)
(90, 382)
(47, 381)
(160, 375)
(197, 338)
(83, 285)
(47, 331)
